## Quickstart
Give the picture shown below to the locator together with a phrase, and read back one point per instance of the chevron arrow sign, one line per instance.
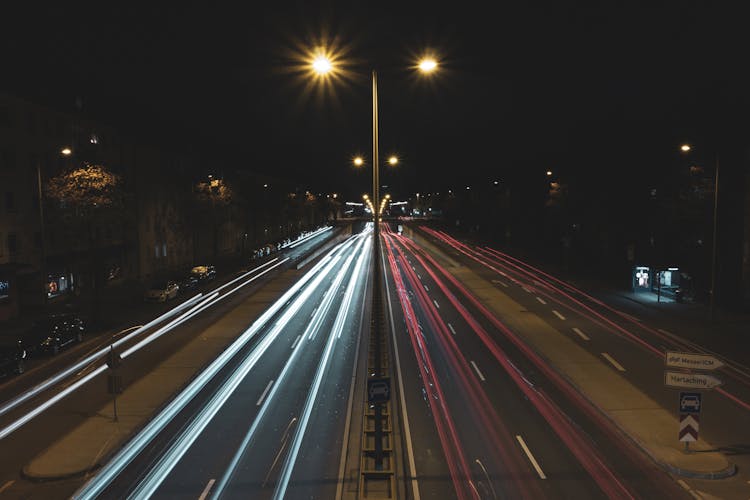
(689, 424)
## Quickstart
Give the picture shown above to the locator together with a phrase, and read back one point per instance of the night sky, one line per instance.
(591, 90)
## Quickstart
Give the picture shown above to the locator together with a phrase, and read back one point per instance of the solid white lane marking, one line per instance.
(531, 457)
(427, 289)
(476, 368)
(558, 314)
(541, 300)
(206, 490)
(453, 330)
(614, 363)
(7, 485)
(436, 304)
(262, 396)
(581, 334)
(295, 341)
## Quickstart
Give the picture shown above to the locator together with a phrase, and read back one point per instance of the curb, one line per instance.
(40, 478)
(729, 471)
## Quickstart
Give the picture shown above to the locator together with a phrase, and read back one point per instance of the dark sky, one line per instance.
(584, 88)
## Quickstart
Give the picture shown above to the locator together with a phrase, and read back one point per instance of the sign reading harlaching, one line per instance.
(691, 380)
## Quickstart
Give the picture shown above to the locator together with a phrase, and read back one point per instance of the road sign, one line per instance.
(692, 361)
(691, 380)
(689, 424)
(378, 390)
(690, 402)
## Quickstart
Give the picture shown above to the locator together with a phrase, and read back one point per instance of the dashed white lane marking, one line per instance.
(436, 304)
(314, 311)
(525, 289)
(453, 330)
(690, 490)
(425, 287)
(476, 368)
(667, 333)
(419, 276)
(531, 457)
(206, 490)
(7, 485)
(295, 341)
(630, 317)
(262, 396)
(541, 300)
(558, 314)
(613, 361)
(500, 283)
(581, 334)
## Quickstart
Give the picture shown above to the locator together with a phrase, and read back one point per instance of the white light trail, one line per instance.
(338, 326)
(251, 432)
(135, 446)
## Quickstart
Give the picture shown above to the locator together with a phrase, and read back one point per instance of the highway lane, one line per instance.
(29, 440)
(563, 476)
(628, 343)
(286, 404)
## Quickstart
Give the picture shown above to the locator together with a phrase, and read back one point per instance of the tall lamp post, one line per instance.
(322, 65)
(686, 148)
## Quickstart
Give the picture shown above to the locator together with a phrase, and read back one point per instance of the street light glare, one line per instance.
(549, 173)
(66, 151)
(685, 148)
(427, 65)
(322, 65)
(392, 160)
(358, 161)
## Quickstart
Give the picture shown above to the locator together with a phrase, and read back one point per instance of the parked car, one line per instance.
(51, 334)
(189, 282)
(203, 273)
(162, 291)
(12, 356)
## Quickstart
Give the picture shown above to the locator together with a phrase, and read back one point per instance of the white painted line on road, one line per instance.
(207, 489)
(504, 284)
(314, 311)
(436, 304)
(630, 317)
(581, 334)
(419, 276)
(295, 341)
(425, 287)
(614, 363)
(525, 289)
(558, 314)
(453, 330)
(690, 490)
(531, 457)
(664, 331)
(541, 300)
(476, 368)
(262, 396)
(7, 485)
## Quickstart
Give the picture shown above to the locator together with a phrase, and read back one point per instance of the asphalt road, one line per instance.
(272, 424)
(466, 406)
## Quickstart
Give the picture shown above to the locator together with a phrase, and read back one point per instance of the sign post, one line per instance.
(114, 381)
(690, 402)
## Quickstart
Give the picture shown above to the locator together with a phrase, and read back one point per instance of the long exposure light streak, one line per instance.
(338, 326)
(5, 408)
(135, 446)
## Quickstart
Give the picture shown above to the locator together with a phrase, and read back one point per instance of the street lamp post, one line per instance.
(686, 148)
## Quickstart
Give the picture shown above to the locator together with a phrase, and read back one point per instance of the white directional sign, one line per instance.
(691, 380)
(692, 361)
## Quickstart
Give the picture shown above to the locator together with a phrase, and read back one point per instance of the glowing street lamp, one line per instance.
(66, 151)
(427, 65)
(358, 161)
(685, 148)
(392, 161)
